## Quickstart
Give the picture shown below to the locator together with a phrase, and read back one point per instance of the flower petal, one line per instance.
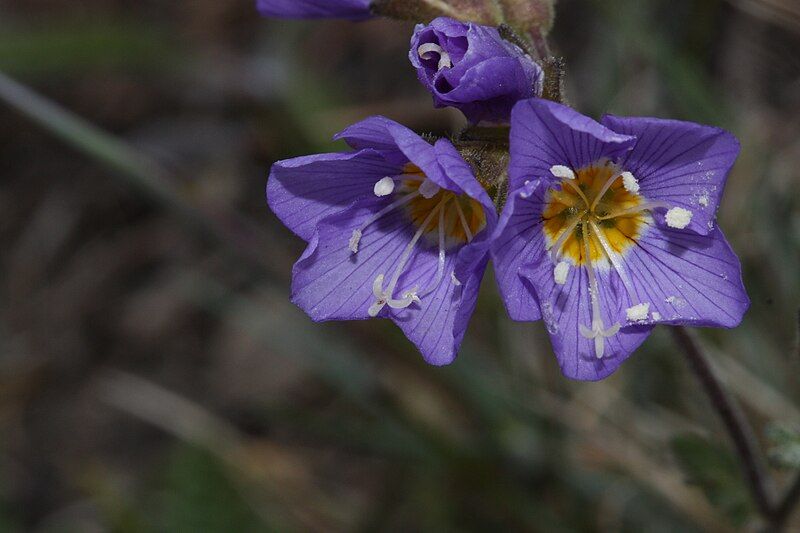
(688, 279)
(307, 9)
(565, 308)
(490, 89)
(332, 283)
(680, 163)
(304, 190)
(484, 75)
(397, 144)
(518, 240)
(456, 175)
(545, 134)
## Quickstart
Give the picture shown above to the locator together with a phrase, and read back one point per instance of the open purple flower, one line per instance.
(311, 9)
(472, 68)
(397, 228)
(610, 230)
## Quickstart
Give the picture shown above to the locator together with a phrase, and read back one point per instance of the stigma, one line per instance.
(425, 50)
(592, 218)
(441, 219)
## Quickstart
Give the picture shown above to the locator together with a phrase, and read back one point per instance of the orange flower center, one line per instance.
(601, 199)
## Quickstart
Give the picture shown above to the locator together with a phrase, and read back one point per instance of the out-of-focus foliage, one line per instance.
(154, 377)
(716, 471)
(785, 447)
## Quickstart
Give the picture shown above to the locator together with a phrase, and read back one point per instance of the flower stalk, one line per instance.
(739, 430)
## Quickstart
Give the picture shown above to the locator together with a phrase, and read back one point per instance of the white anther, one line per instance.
(656, 315)
(638, 313)
(454, 279)
(355, 239)
(444, 57)
(384, 187)
(560, 171)
(561, 272)
(678, 217)
(630, 182)
(429, 189)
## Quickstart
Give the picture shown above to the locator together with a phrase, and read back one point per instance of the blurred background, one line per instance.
(155, 377)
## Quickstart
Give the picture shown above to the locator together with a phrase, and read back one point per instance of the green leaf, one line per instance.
(715, 470)
(785, 446)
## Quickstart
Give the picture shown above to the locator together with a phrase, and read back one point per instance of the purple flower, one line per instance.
(311, 9)
(470, 67)
(610, 230)
(397, 228)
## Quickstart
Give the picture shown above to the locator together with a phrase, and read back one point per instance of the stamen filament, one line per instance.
(398, 271)
(615, 261)
(555, 250)
(578, 190)
(607, 185)
(384, 297)
(355, 239)
(463, 219)
(442, 254)
(646, 206)
(597, 331)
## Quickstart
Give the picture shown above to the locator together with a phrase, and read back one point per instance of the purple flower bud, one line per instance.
(309, 9)
(472, 68)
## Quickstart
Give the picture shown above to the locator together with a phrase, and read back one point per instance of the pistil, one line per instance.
(444, 57)
(598, 331)
(383, 297)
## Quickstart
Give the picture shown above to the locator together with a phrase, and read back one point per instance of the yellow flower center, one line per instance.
(600, 200)
(463, 216)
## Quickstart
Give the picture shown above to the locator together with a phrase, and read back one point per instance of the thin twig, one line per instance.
(738, 428)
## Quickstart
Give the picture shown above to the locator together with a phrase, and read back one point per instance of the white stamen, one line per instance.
(384, 187)
(607, 185)
(555, 250)
(598, 331)
(678, 217)
(454, 279)
(656, 315)
(630, 182)
(444, 57)
(561, 272)
(463, 218)
(638, 313)
(645, 206)
(354, 240)
(384, 297)
(442, 254)
(616, 261)
(560, 171)
(380, 301)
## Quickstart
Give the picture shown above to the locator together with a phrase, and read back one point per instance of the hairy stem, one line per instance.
(735, 423)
